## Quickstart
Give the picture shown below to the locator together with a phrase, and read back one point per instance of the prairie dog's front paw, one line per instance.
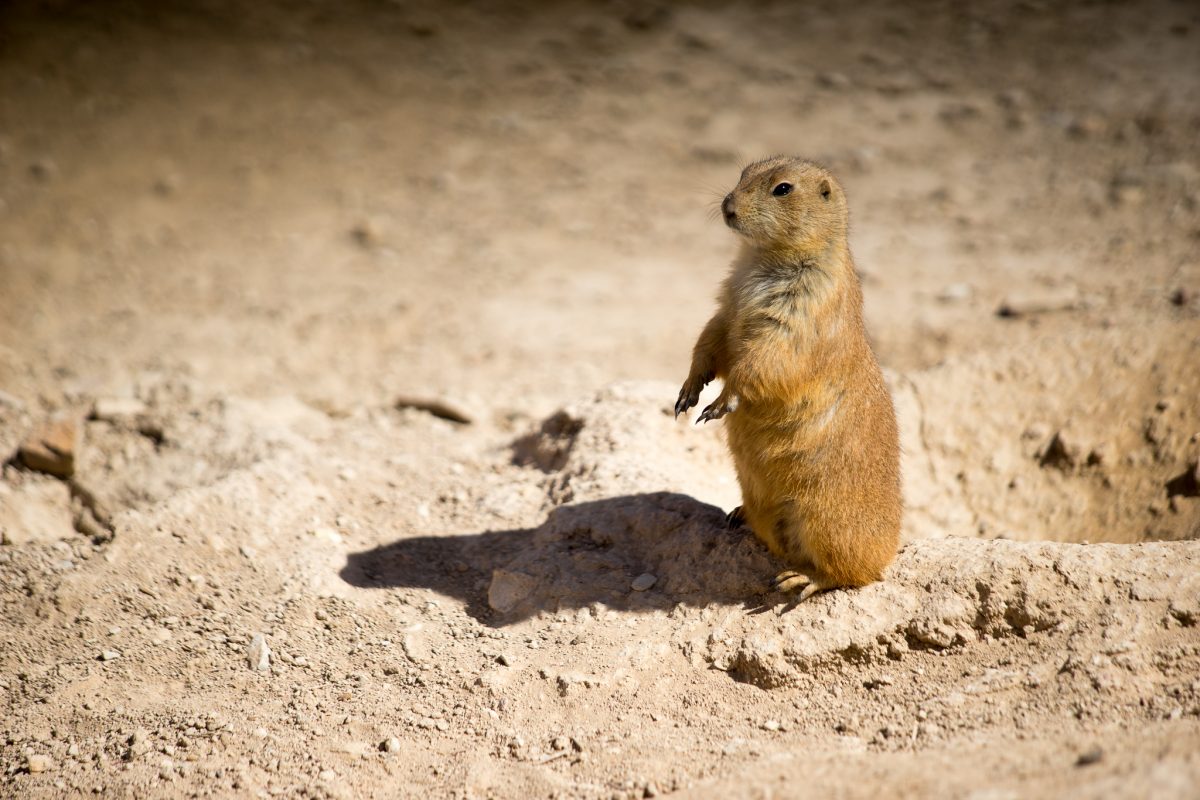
(724, 404)
(689, 395)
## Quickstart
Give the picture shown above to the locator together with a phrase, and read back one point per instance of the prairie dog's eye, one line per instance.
(782, 189)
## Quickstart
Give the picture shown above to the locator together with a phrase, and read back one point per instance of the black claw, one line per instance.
(735, 519)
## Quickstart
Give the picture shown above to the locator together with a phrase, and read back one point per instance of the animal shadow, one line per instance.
(584, 554)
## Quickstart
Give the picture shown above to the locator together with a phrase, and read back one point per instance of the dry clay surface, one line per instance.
(338, 346)
(552, 613)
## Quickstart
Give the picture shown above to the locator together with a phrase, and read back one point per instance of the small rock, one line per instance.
(509, 589)
(440, 408)
(643, 582)
(139, 743)
(327, 775)
(113, 409)
(1086, 125)
(1181, 296)
(43, 169)
(109, 655)
(1089, 757)
(52, 447)
(258, 654)
(833, 80)
(367, 233)
(771, 725)
(560, 743)
(390, 745)
(38, 763)
(1029, 302)
(955, 292)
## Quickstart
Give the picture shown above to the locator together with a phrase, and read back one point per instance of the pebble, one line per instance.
(139, 743)
(390, 745)
(955, 292)
(367, 234)
(109, 655)
(327, 775)
(38, 763)
(509, 589)
(771, 725)
(112, 409)
(51, 447)
(1039, 301)
(1089, 757)
(440, 408)
(833, 80)
(258, 654)
(643, 582)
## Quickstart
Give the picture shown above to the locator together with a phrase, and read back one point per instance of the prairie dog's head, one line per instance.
(786, 203)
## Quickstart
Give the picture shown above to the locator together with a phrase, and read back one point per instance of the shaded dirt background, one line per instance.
(232, 236)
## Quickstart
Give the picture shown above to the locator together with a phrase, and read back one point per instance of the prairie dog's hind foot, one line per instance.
(790, 580)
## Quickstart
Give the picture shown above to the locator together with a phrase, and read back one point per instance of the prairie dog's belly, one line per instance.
(783, 445)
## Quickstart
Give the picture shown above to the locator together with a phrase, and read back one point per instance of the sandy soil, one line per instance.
(243, 246)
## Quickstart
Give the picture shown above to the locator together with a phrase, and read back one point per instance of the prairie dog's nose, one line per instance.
(727, 208)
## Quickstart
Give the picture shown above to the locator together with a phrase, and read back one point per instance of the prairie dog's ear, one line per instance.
(825, 188)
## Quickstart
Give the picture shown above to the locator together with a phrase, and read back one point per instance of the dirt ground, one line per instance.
(362, 323)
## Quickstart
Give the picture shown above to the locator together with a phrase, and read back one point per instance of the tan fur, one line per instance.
(810, 422)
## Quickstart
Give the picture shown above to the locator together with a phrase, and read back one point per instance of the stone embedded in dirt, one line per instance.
(38, 763)
(1086, 126)
(139, 743)
(1089, 757)
(833, 80)
(955, 292)
(509, 589)
(438, 407)
(113, 409)
(258, 654)
(367, 233)
(52, 447)
(1039, 301)
(109, 655)
(643, 582)
(1181, 296)
(1127, 188)
(390, 745)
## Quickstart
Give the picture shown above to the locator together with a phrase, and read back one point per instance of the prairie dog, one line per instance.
(809, 419)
